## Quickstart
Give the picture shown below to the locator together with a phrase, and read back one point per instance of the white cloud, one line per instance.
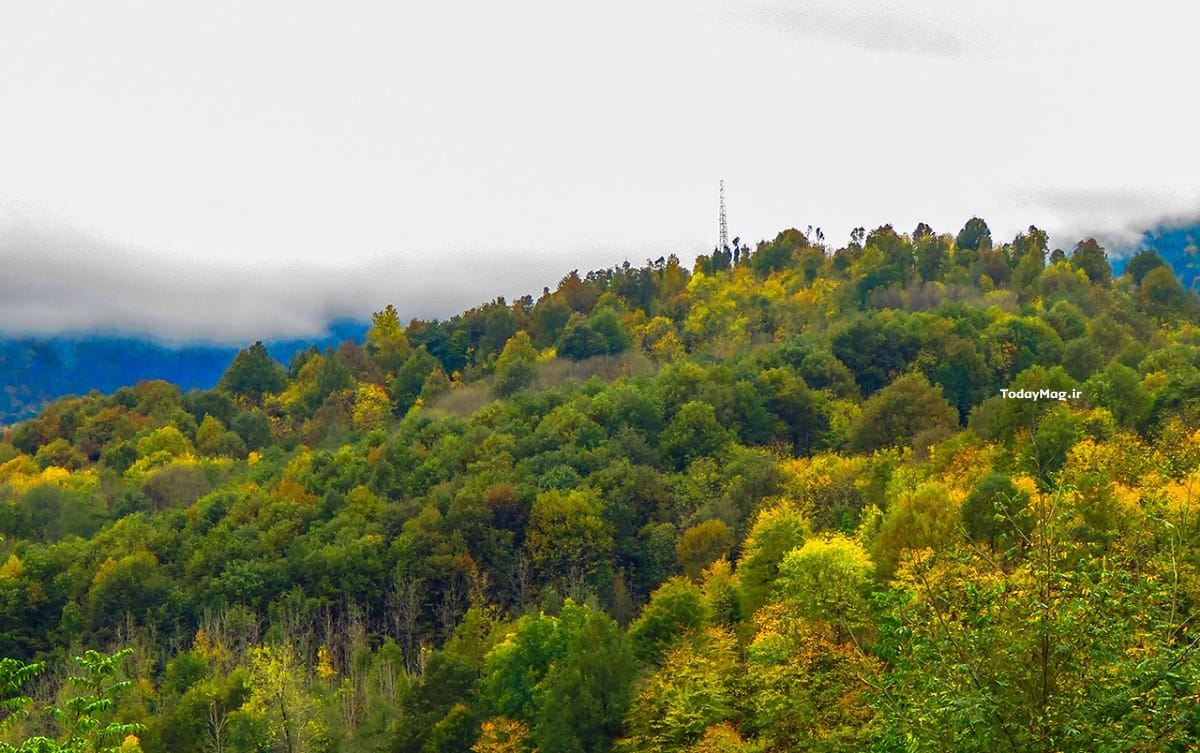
(289, 135)
(61, 279)
(913, 28)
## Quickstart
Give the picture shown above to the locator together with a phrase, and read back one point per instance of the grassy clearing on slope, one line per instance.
(465, 400)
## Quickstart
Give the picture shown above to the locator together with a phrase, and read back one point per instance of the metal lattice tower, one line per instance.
(724, 228)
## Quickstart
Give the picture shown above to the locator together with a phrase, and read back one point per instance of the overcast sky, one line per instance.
(235, 170)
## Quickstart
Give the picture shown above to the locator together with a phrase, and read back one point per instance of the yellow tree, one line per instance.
(387, 344)
(280, 696)
(517, 365)
(776, 531)
(694, 689)
(371, 407)
(1068, 649)
(503, 735)
(828, 579)
(806, 688)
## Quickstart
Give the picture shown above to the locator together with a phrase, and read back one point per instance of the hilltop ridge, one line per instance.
(799, 497)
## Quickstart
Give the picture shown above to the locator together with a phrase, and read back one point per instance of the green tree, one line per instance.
(676, 610)
(703, 544)
(1081, 358)
(900, 414)
(166, 439)
(1029, 257)
(923, 517)
(802, 421)
(583, 700)
(579, 341)
(694, 432)
(59, 453)
(566, 677)
(1160, 294)
(828, 579)
(253, 427)
(134, 585)
(176, 485)
(932, 251)
(516, 665)
(1119, 389)
(1000, 418)
(778, 254)
(994, 513)
(406, 387)
(606, 324)
(1142, 263)
(975, 235)
(1089, 257)
(1067, 320)
(1056, 652)
(776, 531)
(208, 436)
(332, 377)
(1048, 449)
(516, 367)
(567, 539)
(1015, 344)
(252, 374)
(877, 348)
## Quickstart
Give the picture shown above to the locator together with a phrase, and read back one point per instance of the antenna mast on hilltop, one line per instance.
(724, 228)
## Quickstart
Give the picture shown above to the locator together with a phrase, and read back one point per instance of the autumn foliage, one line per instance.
(774, 503)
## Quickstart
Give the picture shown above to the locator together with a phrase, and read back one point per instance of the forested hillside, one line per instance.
(778, 503)
(1176, 245)
(36, 370)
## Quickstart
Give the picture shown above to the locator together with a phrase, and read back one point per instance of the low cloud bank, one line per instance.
(59, 280)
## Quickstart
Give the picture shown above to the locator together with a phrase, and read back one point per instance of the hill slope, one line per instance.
(922, 491)
(1177, 247)
(34, 371)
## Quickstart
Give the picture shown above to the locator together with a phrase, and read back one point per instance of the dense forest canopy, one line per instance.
(777, 503)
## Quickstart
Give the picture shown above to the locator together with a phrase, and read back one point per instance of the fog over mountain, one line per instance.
(327, 163)
(59, 280)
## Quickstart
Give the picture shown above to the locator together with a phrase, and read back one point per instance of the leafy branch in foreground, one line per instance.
(86, 718)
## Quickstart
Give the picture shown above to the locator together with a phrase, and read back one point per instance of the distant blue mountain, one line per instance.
(35, 371)
(1178, 248)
